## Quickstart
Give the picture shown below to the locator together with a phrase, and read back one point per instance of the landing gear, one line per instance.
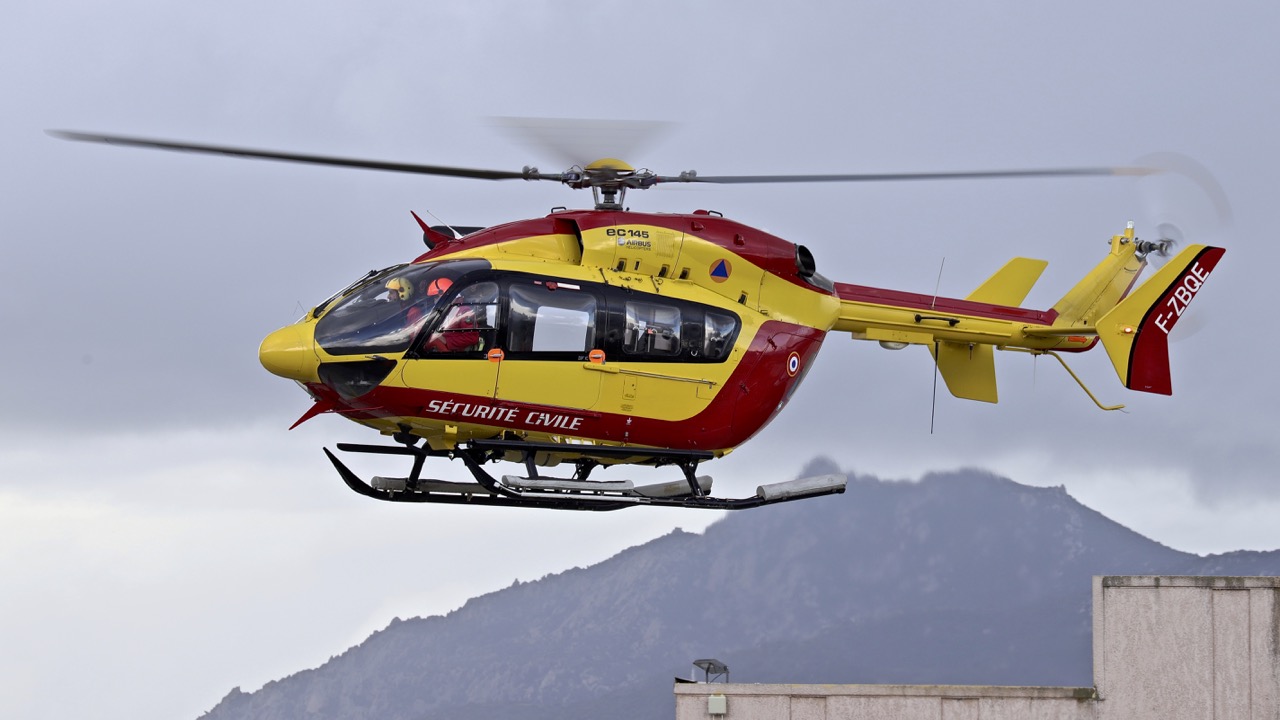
(575, 493)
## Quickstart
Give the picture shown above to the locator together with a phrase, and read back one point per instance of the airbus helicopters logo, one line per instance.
(638, 239)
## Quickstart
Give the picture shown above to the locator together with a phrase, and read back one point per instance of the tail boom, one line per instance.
(1132, 323)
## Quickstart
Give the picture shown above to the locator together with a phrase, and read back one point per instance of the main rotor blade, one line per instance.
(1186, 197)
(531, 174)
(576, 141)
(299, 157)
(883, 177)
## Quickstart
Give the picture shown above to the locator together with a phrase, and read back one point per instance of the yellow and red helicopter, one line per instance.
(606, 337)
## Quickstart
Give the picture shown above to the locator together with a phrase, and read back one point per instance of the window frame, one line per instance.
(609, 321)
(548, 285)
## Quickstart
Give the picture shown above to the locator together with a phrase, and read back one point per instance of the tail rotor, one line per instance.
(1158, 252)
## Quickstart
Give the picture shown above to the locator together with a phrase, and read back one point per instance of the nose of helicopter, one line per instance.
(288, 352)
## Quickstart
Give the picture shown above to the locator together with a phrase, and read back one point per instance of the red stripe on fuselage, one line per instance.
(949, 306)
(550, 225)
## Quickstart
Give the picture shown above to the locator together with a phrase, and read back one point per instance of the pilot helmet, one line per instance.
(401, 287)
(439, 286)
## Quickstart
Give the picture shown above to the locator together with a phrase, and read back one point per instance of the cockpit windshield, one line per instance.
(319, 309)
(386, 313)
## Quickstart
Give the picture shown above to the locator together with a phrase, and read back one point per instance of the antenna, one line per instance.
(713, 670)
(442, 222)
(933, 407)
(937, 285)
(933, 403)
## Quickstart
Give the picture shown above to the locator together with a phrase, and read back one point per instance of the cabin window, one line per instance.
(550, 317)
(645, 327)
(469, 324)
(718, 335)
(651, 329)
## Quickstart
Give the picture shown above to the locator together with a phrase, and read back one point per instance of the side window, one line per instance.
(651, 329)
(550, 318)
(718, 334)
(645, 327)
(470, 322)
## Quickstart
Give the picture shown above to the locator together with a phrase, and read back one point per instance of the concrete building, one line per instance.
(1164, 648)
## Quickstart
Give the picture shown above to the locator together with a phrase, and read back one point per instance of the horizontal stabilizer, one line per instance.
(1136, 331)
(969, 370)
(1011, 283)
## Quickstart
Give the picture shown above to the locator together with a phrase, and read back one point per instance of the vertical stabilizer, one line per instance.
(1136, 332)
(969, 370)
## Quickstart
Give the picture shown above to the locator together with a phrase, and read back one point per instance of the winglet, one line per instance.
(1136, 331)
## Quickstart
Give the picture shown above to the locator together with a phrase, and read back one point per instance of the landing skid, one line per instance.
(577, 493)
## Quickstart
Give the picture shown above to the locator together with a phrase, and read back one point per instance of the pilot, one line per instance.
(402, 289)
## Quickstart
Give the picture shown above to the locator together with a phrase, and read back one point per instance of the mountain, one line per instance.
(962, 577)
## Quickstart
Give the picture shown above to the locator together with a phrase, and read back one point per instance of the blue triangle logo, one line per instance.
(720, 270)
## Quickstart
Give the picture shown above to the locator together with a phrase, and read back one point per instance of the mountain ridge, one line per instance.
(962, 577)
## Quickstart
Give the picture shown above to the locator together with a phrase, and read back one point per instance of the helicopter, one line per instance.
(603, 337)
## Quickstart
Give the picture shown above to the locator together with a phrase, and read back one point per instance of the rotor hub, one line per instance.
(609, 180)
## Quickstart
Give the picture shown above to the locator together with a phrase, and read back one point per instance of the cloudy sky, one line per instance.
(164, 538)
